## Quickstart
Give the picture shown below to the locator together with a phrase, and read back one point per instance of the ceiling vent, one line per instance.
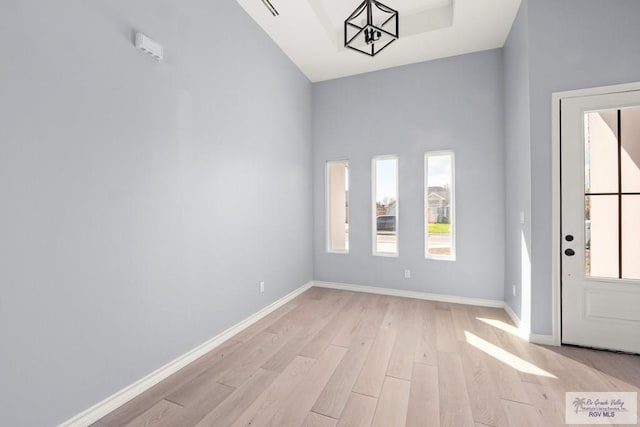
(270, 7)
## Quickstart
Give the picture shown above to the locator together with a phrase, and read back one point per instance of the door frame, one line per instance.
(556, 201)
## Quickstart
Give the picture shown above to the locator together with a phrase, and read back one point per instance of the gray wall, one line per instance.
(136, 196)
(141, 201)
(454, 103)
(573, 44)
(517, 165)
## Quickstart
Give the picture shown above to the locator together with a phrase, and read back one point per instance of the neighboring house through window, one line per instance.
(439, 205)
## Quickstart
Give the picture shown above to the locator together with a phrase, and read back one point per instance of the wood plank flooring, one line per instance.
(337, 358)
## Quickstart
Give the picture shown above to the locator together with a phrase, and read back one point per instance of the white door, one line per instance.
(600, 164)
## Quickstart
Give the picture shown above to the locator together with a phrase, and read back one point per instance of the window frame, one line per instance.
(374, 216)
(327, 186)
(452, 207)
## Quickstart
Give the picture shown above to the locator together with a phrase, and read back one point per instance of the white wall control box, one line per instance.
(149, 46)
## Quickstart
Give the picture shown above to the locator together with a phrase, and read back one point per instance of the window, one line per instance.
(338, 206)
(439, 206)
(612, 193)
(385, 206)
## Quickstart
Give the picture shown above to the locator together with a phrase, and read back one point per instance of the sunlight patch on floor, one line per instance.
(505, 357)
(502, 325)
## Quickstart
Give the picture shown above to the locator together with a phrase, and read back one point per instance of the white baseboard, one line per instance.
(512, 314)
(544, 339)
(526, 334)
(118, 399)
(411, 294)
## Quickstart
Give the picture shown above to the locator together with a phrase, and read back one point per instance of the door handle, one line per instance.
(569, 252)
(569, 238)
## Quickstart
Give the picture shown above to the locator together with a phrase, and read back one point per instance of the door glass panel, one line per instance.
(612, 192)
(630, 155)
(601, 236)
(631, 237)
(601, 151)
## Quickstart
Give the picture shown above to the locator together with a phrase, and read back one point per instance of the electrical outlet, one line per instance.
(407, 274)
(514, 290)
(261, 287)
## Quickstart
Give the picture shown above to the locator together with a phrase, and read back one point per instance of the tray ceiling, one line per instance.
(310, 32)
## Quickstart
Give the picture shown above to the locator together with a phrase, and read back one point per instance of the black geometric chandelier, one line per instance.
(371, 27)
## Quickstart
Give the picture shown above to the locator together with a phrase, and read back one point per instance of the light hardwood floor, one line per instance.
(336, 358)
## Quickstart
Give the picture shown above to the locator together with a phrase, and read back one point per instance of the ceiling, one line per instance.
(311, 32)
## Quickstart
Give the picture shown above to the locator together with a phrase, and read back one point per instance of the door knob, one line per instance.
(569, 238)
(569, 252)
